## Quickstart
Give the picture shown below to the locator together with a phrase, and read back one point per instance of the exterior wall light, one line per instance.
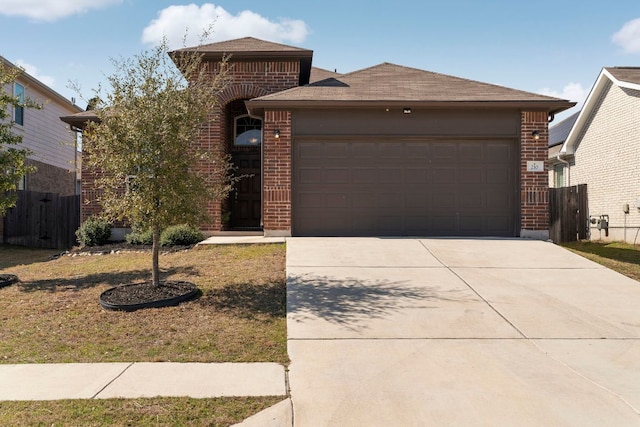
(536, 135)
(406, 110)
(276, 133)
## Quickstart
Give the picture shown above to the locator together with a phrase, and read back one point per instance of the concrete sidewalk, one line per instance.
(495, 332)
(133, 380)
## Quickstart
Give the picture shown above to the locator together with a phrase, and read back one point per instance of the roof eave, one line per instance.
(35, 82)
(569, 145)
(257, 106)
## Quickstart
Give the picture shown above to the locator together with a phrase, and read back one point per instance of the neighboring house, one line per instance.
(387, 150)
(558, 133)
(602, 150)
(52, 144)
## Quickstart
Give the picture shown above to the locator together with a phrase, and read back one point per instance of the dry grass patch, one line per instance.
(53, 314)
(134, 412)
(621, 257)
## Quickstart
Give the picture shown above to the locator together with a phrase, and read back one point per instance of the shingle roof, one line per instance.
(318, 74)
(249, 46)
(626, 74)
(394, 83)
(558, 133)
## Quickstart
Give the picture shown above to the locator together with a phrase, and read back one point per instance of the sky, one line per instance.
(552, 47)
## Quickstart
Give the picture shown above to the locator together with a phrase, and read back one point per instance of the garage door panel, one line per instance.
(310, 175)
(472, 200)
(337, 150)
(365, 200)
(335, 201)
(443, 200)
(416, 175)
(500, 153)
(499, 175)
(444, 150)
(471, 152)
(417, 151)
(364, 175)
(438, 188)
(471, 175)
(391, 150)
(337, 175)
(444, 175)
(390, 200)
(391, 175)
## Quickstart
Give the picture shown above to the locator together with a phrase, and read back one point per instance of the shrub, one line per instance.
(137, 237)
(183, 234)
(93, 232)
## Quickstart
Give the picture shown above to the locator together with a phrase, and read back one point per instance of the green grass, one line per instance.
(621, 257)
(133, 412)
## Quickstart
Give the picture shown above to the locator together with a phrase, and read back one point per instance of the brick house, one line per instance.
(388, 150)
(53, 146)
(601, 148)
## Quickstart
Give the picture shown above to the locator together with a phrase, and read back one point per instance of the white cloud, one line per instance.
(32, 70)
(628, 37)
(174, 21)
(574, 92)
(50, 10)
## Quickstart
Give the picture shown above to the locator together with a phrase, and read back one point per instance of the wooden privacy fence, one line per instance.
(568, 214)
(43, 220)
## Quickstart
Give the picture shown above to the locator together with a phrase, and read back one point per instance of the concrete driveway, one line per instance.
(459, 332)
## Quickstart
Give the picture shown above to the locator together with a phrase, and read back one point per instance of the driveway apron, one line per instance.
(495, 332)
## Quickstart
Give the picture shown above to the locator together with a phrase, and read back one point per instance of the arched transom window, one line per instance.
(248, 131)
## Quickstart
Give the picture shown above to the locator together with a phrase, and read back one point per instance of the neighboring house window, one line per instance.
(18, 110)
(559, 172)
(22, 183)
(248, 131)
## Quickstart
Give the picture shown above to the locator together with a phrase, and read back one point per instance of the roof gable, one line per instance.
(624, 77)
(391, 83)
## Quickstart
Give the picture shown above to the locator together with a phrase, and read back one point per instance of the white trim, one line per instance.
(569, 146)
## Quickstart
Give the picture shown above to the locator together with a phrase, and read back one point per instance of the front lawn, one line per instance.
(154, 412)
(621, 257)
(53, 314)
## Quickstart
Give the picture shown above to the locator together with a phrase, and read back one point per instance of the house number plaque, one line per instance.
(535, 166)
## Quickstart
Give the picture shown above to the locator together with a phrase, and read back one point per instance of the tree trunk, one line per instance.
(155, 272)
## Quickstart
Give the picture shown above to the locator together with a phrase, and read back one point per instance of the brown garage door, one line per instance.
(404, 188)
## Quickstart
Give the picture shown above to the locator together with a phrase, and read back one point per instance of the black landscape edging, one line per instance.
(8, 279)
(167, 302)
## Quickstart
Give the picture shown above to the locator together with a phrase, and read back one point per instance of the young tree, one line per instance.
(142, 145)
(13, 160)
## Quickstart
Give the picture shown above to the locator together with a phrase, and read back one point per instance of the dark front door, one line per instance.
(245, 200)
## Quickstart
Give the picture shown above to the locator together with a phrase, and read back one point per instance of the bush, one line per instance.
(182, 234)
(93, 232)
(137, 237)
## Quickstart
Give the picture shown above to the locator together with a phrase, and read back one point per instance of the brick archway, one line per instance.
(240, 91)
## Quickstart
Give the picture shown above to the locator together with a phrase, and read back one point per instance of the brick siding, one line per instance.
(277, 173)
(534, 186)
(245, 80)
(51, 179)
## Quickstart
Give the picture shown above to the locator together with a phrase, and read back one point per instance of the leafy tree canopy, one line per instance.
(144, 145)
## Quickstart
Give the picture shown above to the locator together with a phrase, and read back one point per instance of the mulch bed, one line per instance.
(146, 295)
